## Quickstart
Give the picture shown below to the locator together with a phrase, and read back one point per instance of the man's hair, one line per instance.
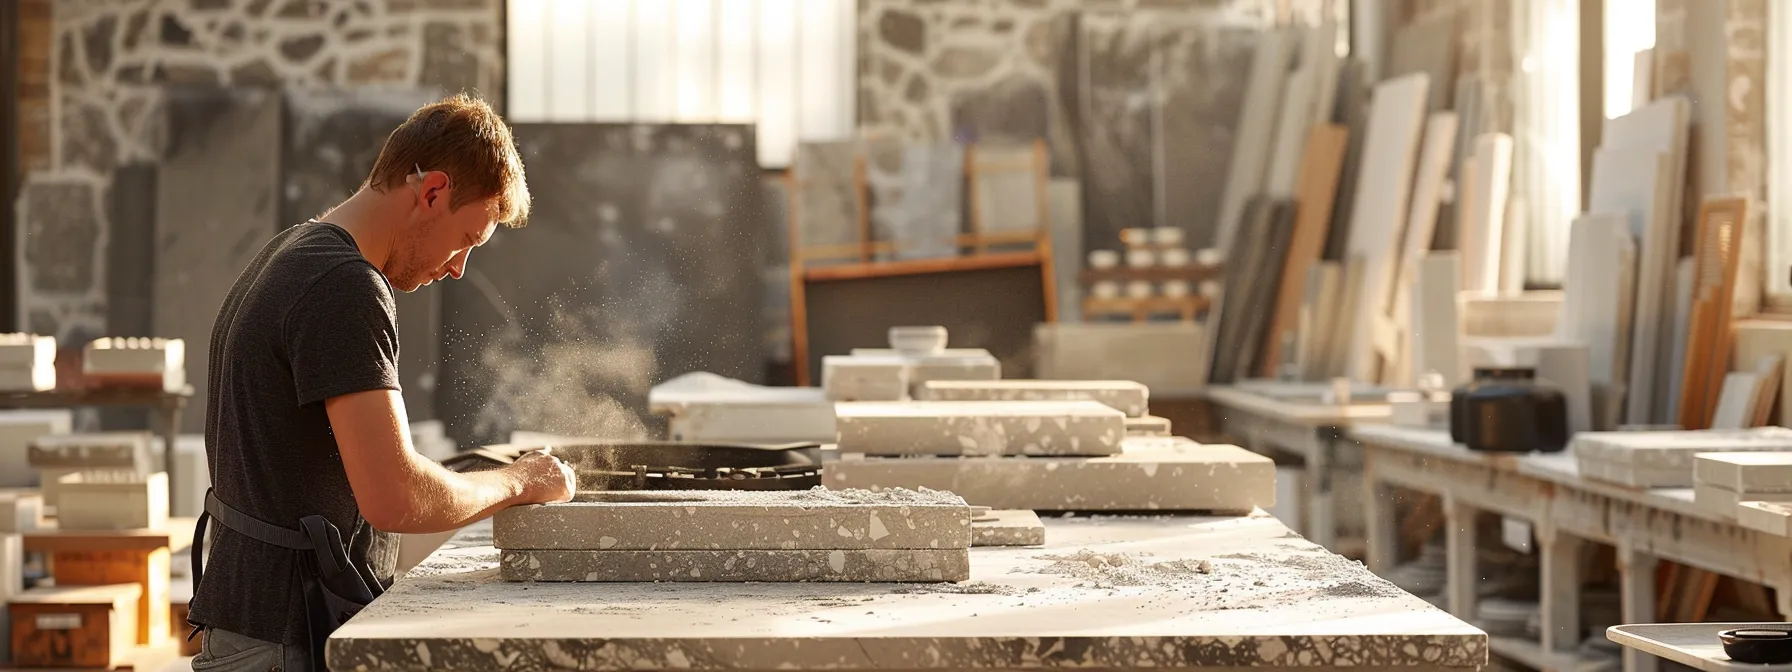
(459, 135)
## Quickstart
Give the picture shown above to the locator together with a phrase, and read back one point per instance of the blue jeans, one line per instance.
(225, 651)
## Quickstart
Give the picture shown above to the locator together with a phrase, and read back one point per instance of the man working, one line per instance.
(305, 428)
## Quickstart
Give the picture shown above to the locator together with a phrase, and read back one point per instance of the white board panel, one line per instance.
(1437, 319)
(1624, 180)
(610, 92)
(1378, 213)
(1483, 220)
(1421, 220)
(569, 62)
(1598, 300)
(694, 60)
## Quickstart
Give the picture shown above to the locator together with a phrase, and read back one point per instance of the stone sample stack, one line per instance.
(112, 500)
(60, 455)
(739, 536)
(153, 363)
(917, 355)
(1664, 459)
(1126, 396)
(1006, 528)
(707, 407)
(1723, 482)
(18, 429)
(27, 363)
(970, 428)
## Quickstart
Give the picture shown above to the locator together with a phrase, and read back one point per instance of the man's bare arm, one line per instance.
(398, 490)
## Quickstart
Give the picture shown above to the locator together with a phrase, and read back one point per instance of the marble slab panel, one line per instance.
(1115, 130)
(735, 566)
(1008, 528)
(1125, 396)
(827, 198)
(1723, 503)
(865, 378)
(629, 273)
(1154, 354)
(1171, 474)
(1149, 425)
(918, 202)
(1005, 184)
(226, 146)
(1664, 459)
(979, 428)
(675, 520)
(332, 138)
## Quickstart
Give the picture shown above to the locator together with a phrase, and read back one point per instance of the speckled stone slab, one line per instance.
(1271, 600)
(99, 450)
(1722, 503)
(665, 520)
(1769, 517)
(855, 566)
(1149, 425)
(1122, 395)
(979, 428)
(1007, 528)
(1149, 474)
(865, 378)
(1744, 472)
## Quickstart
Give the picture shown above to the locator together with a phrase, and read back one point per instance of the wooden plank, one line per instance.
(1768, 372)
(1379, 210)
(1421, 222)
(1256, 127)
(1717, 256)
(1318, 190)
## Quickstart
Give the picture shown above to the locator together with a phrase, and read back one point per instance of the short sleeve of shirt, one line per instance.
(342, 335)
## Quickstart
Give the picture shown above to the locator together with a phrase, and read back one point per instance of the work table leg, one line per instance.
(1464, 577)
(1322, 524)
(1561, 591)
(1636, 582)
(1381, 527)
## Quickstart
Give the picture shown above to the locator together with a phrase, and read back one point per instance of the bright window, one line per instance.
(1779, 156)
(785, 65)
(1629, 28)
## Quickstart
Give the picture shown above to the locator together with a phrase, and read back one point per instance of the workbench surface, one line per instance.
(1269, 599)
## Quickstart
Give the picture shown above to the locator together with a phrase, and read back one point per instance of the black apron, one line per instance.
(335, 590)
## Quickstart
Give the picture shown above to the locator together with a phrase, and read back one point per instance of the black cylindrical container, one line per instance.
(1509, 410)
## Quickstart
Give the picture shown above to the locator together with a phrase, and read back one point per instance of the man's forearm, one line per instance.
(442, 500)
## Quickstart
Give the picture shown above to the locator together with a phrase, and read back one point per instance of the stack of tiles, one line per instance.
(1664, 459)
(979, 428)
(112, 500)
(60, 455)
(738, 536)
(1129, 397)
(27, 363)
(1723, 481)
(150, 363)
(1006, 528)
(17, 430)
(917, 355)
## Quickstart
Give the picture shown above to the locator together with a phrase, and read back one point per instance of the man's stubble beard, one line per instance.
(412, 270)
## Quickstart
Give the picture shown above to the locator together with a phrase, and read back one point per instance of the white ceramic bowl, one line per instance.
(1139, 289)
(1208, 256)
(1175, 288)
(918, 340)
(1106, 289)
(1135, 236)
(1166, 235)
(1140, 257)
(1175, 256)
(1103, 259)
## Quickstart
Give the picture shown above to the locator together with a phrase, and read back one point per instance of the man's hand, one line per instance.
(545, 479)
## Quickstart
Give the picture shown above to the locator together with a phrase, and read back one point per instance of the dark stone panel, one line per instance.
(1205, 71)
(629, 273)
(448, 60)
(62, 230)
(130, 251)
(217, 197)
(1117, 133)
(993, 309)
(332, 139)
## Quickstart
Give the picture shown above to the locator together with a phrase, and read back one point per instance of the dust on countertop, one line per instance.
(824, 495)
(816, 496)
(1106, 570)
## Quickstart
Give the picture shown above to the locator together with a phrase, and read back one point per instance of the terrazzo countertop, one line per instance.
(1104, 592)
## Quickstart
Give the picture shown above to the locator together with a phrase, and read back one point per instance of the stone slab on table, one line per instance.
(857, 378)
(1745, 472)
(1268, 599)
(1769, 517)
(707, 407)
(1722, 502)
(1149, 425)
(1692, 644)
(1666, 457)
(979, 428)
(876, 565)
(1125, 396)
(1007, 528)
(1150, 473)
(667, 520)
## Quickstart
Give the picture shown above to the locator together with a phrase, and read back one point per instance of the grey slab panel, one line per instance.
(927, 219)
(1006, 188)
(979, 428)
(906, 565)
(1258, 252)
(636, 267)
(1116, 131)
(217, 203)
(774, 271)
(1008, 528)
(738, 520)
(333, 137)
(1064, 197)
(827, 198)
(1353, 111)
(130, 269)
(1203, 70)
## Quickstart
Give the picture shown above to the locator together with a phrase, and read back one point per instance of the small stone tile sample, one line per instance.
(1745, 472)
(927, 219)
(1662, 459)
(1122, 395)
(857, 566)
(102, 450)
(827, 198)
(947, 366)
(1769, 517)
(665, 520)
(1721, 502)
(1173, 474)
(1008, 528)
(112, 500)
(1624, 473)
(979, 428)
(1149, 425)
(856, 378)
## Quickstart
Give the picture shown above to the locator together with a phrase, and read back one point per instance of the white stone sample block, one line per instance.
(980, 428)
(137, 362)
(1125, 396)
(21, 511)
(1664, 459)
(1007, 528)
(27, 363)
(1149, 425)
(93, 450)
(193, 475)
(1150, 473)
(855, 378)
(667, 520)
(17, 430)
(1744, 472)
(112, 500)
(708, 407)
(1723, 503)
(1769, 517)
(855, 566)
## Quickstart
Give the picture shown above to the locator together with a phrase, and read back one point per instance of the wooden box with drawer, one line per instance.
(77, 626)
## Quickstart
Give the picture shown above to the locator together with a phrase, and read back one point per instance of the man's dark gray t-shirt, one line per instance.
(310, 319)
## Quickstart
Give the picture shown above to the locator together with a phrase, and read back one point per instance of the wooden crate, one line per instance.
(75, 626)
(145, 568)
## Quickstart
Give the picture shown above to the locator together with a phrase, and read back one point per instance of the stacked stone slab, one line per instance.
(1007, 528)
(58, 456)
(917, 356)
(155, 363)
(736, 536)
(1724, 481)
(979, 428)
(1122, 395)
(27, 363)
(1665, 459)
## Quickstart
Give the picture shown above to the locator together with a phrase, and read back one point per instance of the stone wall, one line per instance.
(109, 60)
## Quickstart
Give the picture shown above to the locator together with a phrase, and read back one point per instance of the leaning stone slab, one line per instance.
(1171, 474)
(666, 520)
(1149, 425)
(1122, 395)
(980, 428)
(1007, 528)
(859, 566)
